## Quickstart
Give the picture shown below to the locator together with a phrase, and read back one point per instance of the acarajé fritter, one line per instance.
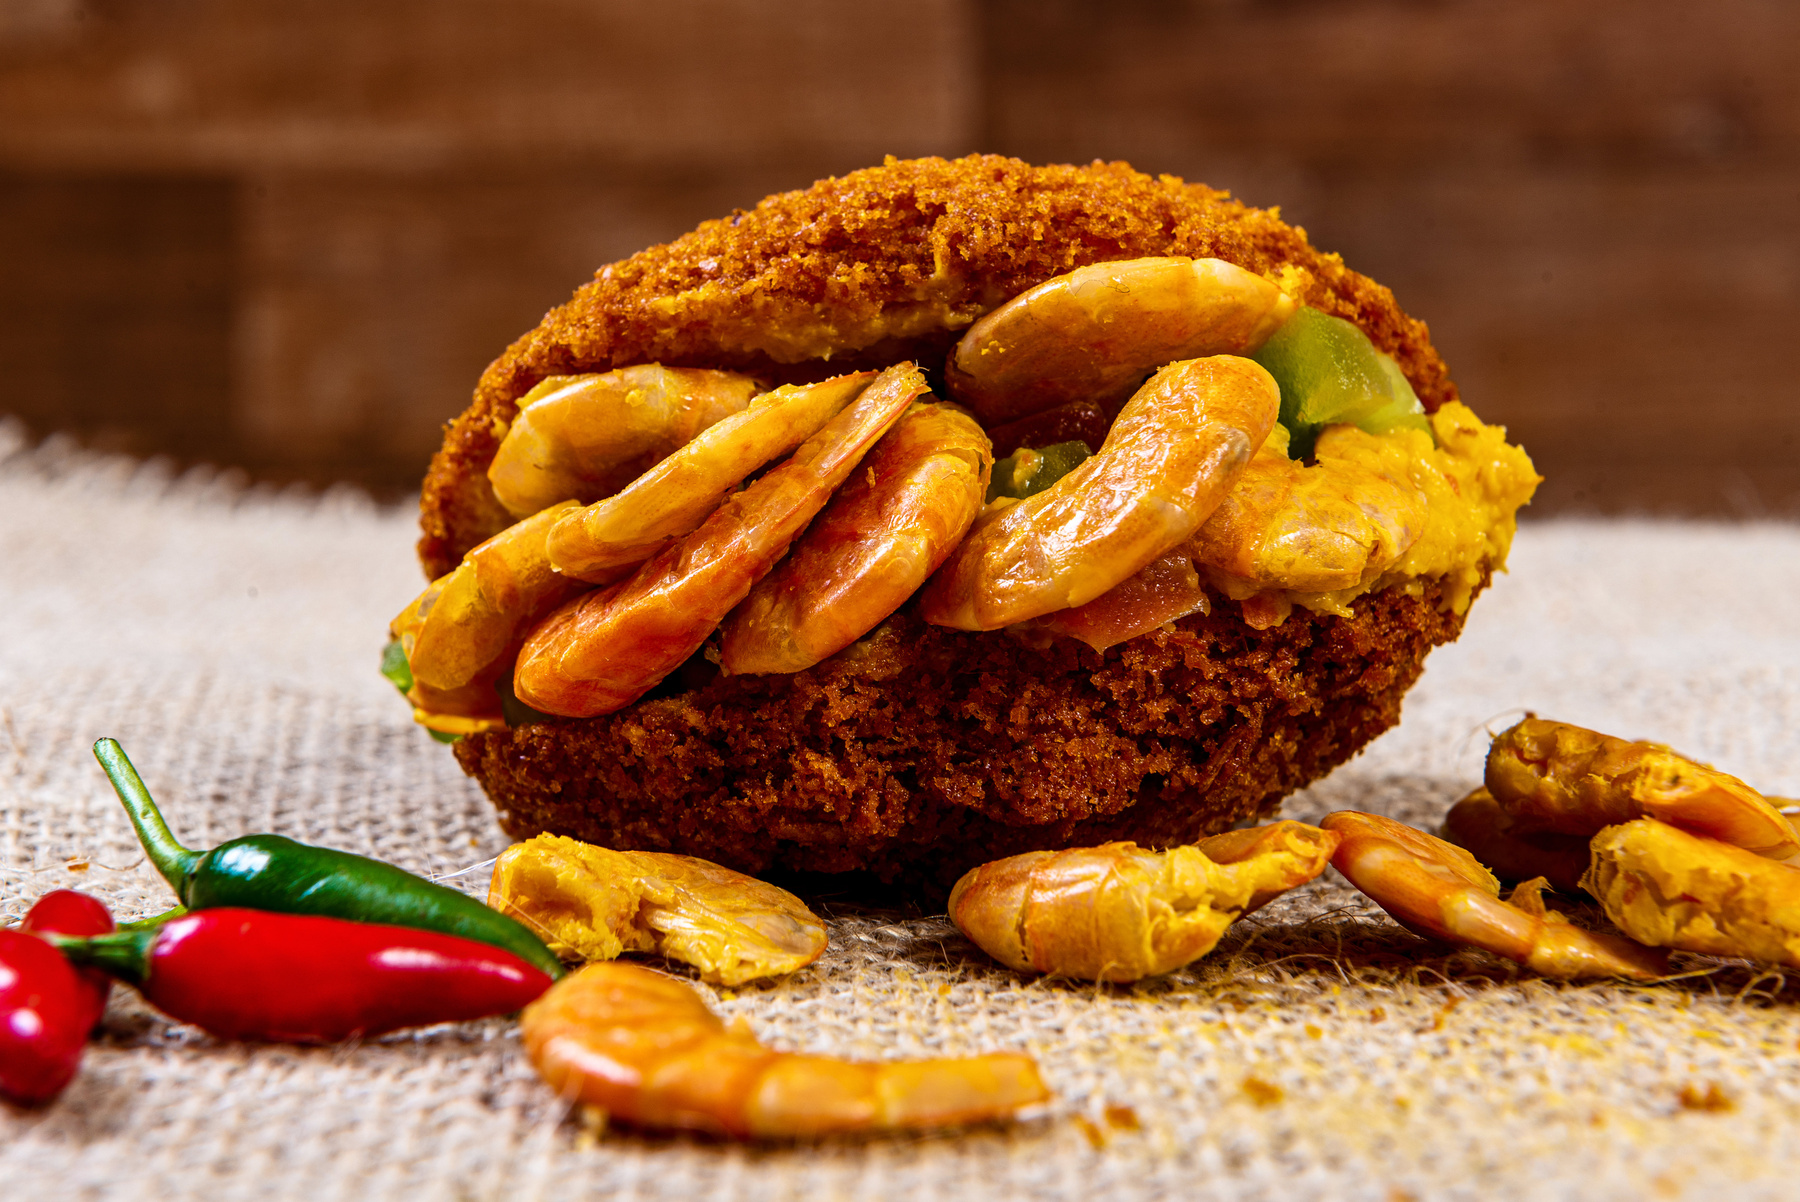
(944, 511)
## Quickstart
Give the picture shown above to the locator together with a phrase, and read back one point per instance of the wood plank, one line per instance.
(116, 308)
(431, 84)
(1595, 206)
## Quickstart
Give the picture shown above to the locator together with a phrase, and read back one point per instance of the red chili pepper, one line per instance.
(302, 978)
(45, 1015)
(66, 912)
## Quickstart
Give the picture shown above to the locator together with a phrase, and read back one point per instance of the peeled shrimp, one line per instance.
(1335, 524)
(1120, 912)
(585, 437)
(645, 1048)
(884, 532)
(601, 652)
(1669, 888)
(1552, 776)
(605, 540)
(470, 710)
(1162, 591)
(1094, 333)
(596, 903)
(1292, 849)
(460, 629)
(1480, 825)
(1173, 453)
(1438, 890)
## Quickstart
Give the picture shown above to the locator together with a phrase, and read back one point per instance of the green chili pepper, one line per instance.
(1330, 372)
(399, 674)
(272, 872)
(395, 667)
(1029, 471)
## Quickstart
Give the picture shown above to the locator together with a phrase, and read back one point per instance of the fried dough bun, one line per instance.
(922, 751)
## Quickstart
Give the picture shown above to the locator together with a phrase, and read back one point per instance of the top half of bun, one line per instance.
(884, 264)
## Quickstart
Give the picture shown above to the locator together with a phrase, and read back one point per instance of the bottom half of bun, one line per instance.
(921, 752)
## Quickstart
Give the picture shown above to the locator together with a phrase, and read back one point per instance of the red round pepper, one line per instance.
(294, 978)
(45, 1016)
(67, 912)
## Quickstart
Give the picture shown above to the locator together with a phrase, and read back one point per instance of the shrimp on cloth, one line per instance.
(596, 903)
(1120, 912)
(1669, 888)
(645, 1048)
(773, 686)
(1557, 777)
(1438, 890)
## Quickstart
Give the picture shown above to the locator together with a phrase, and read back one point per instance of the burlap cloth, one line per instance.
(229, 638)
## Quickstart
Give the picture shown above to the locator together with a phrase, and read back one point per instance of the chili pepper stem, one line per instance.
(175, 862)
(124, 954)
(151, 922)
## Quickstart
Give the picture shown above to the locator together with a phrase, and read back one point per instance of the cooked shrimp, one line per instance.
(1552, 776)
(605, 540)
(1333, 524)
(883, 533)
(1438, 890)
(601, 652)
(585, 437)
(1669, 888)
(1478, 824)
(1120, 912)
(645, 1048)
(1164, 590)
(1173, 453)
(595, 903)
(466, 622)
(466, 711)
(1096, 332)
(1293, 848)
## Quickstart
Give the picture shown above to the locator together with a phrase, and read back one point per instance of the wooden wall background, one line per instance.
(288, 234)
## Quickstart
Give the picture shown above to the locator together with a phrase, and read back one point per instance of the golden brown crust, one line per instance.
(942, 241)
(927, 751)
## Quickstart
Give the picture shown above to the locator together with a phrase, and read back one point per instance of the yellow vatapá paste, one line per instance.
(1373, 511)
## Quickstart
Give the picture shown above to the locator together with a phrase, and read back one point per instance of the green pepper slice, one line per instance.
(1329, 372)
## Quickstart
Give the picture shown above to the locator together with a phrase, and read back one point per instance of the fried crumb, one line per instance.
(593, 1123)
(1122, 1118)
(1437, 1022)
(1263, 1093)
(1712, 1098)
